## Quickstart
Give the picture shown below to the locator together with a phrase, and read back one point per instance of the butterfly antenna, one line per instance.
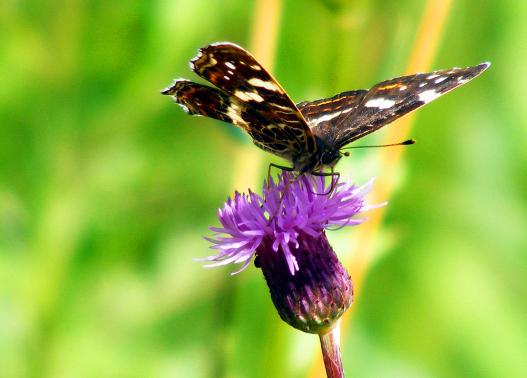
(405, 143)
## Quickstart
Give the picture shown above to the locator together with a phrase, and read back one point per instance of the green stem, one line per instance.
(330, 344)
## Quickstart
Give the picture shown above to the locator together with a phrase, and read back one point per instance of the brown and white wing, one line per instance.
(392, 99)
(239, 75)
(349, 116)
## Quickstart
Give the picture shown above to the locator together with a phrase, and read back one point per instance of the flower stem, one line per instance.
(330, 344)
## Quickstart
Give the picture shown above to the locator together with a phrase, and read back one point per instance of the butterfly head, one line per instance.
(324, 157)
(328, 158)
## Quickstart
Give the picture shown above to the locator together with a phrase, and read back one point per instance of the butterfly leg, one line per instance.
(334, 179)
(286, 186)
(283, 193)
(271, 165)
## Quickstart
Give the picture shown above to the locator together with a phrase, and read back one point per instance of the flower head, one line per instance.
(288, 209)
(285, 229)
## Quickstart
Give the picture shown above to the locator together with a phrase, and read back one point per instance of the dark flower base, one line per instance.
(317, 295)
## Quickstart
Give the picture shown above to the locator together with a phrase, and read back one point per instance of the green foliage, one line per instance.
(106, 188)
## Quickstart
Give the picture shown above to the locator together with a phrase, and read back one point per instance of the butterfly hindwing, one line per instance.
(322, 115)
(198, 99)
(392, 99)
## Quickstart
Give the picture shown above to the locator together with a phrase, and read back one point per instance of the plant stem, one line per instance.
(330, 344)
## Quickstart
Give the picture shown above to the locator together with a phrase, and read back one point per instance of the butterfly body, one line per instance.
(310, 135)
(323, 157)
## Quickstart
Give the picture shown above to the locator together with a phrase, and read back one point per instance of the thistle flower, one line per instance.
(285, 230)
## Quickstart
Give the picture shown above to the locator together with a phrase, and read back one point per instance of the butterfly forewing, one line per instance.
(235, 72)
(391, 99)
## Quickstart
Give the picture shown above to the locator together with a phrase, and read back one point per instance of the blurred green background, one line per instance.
(107, 187)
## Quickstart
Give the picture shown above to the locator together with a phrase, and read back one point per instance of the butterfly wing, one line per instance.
(351, 117)
(322, 115)
(198, 99)
(250, 98)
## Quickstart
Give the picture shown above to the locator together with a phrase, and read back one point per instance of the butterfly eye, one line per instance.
(330, 157)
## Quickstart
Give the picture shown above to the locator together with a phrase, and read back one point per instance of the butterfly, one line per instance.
(309, 135)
